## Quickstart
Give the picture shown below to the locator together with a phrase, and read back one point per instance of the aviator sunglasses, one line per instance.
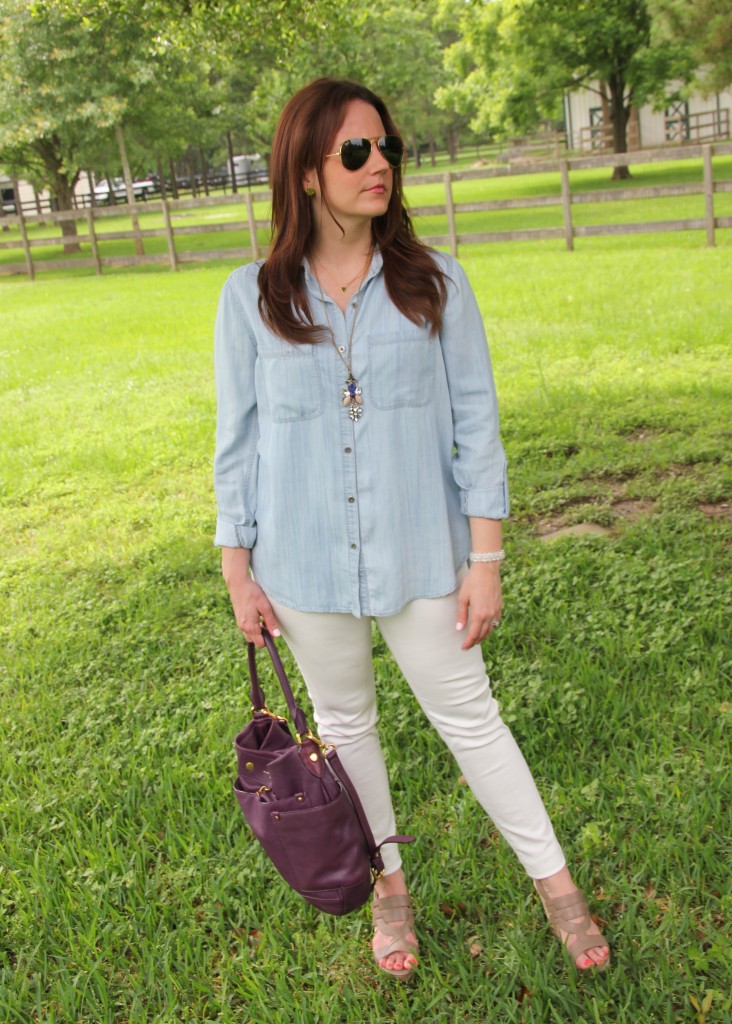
(355, 152)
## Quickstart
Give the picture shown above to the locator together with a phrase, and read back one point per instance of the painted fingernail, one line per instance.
(459, 625)
(276, 632)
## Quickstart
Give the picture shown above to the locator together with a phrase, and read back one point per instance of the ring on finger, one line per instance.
(495, 622)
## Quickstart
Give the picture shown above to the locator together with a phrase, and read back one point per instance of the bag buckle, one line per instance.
(264, 710)
(310, 735)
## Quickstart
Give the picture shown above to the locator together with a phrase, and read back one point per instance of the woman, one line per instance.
(359, 475)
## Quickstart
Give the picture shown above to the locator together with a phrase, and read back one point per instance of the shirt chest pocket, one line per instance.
(293, 385)
(401, 370)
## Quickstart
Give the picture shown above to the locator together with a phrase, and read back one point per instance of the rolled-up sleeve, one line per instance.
(237, 426)
(479, 461)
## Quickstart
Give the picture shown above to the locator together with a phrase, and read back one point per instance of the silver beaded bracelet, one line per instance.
(487, 556)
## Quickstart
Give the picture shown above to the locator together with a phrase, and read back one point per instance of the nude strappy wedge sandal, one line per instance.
(384, 912)
(570, 914)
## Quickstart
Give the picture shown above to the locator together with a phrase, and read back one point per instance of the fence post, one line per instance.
(26, 246)
(450, 207)
(252, 225)
(93, 239)
(567, 206)
(173, 255)
(708, 194)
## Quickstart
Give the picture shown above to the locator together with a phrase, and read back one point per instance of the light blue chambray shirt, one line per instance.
(364, 516)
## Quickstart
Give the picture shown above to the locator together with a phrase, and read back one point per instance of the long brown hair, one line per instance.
(307, 126)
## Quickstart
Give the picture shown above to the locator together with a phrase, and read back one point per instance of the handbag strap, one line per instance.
(297, 715)
(377, 864)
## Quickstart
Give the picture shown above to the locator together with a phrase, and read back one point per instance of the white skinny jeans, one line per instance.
(334, 654)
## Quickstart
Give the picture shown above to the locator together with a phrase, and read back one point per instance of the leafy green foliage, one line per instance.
(515, 58)
(72, 73)
(706, 25)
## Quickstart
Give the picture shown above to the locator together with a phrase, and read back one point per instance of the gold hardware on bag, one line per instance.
(313, 756)
(263, 789)
(265, 711)
(249, 766)
(310, 735)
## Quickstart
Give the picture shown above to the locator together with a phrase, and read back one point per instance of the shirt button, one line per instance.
(354, 546)
(341, 348)
(348, 450)
(351, 501)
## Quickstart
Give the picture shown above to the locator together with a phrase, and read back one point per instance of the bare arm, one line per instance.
(250, 603)
(480, 591)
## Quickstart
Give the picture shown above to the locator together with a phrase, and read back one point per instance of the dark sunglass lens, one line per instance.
(355, 153)
(392, 149)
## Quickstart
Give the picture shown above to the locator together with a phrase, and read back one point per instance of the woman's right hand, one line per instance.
(250, 603)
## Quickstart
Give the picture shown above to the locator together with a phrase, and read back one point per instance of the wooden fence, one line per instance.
(93, 218)
(569, 231)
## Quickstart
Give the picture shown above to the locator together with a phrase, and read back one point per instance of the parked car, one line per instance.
(141, 189)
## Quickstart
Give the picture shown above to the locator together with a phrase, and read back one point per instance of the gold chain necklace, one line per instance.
(344, 287)
(351, 393)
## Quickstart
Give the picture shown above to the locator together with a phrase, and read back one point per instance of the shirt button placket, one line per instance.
(352, 518)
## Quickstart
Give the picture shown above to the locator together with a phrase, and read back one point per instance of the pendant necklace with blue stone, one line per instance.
(351, 393)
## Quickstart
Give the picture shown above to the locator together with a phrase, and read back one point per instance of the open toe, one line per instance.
(570, 920)
(393, 917)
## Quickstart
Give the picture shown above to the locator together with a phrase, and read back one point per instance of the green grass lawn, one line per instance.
(130, 888)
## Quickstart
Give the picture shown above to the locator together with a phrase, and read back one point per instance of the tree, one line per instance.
(71, 78)
(706, 26)
(82, 78)
(526, 53)
(44, 118)
(398, 55)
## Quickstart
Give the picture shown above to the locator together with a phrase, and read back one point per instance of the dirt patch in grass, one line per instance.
(717, 510)
(642, 434)
(678, 469)
(577, 530)
(633, 509)
(627, 510)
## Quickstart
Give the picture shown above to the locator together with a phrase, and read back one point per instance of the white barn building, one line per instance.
(697, 119)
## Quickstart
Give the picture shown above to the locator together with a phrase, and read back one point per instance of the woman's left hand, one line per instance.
(480, 596)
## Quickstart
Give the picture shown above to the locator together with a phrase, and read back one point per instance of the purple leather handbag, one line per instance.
(301, 805)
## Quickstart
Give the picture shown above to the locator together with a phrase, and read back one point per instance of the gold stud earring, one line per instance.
(309, 191)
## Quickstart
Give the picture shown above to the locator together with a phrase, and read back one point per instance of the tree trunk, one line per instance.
(433, 154)
(63, 191)
(452, 145)
(204, 170)
(415, 150)
(619, 116)
(161, 177)
(111, 194)
(127, 174)
(232, 169)
(16, 198)
(173, 178)
(39, 206)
